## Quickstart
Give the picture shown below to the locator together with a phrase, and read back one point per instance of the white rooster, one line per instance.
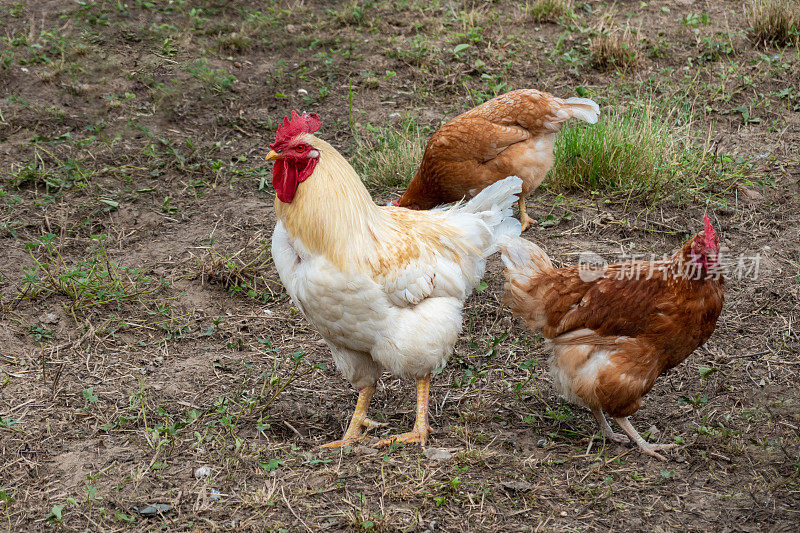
(385, 286)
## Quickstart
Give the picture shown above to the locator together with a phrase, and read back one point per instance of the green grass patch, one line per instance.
(640, 152)
(775, 21)
(388, 156)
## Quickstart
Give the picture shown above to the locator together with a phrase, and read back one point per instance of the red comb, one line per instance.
(297, 125)
(709, 232)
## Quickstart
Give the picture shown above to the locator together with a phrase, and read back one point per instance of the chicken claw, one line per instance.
(606, 429)
(524, 219)
(646, 447)
(358, 422)
(419, 434)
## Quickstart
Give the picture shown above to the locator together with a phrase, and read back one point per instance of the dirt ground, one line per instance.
(149, 355)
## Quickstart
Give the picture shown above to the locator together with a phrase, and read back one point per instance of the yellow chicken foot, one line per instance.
(606, 429)
(419, 434)
(524, 219)
(358, 422)
(646, 447)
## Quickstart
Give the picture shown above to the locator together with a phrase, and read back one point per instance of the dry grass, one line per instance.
(550, 10)
(616, 49)
(775, 21)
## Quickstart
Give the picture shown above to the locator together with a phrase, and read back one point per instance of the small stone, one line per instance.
(215, 495)
(563, 513)
(517, 486)
(291, 28)
(653, 431)
(25, 70)
(49, 318)
(437, 454)
(202, 472)
(541, 443)
(365, 450)
(394, 115)
(302, 92)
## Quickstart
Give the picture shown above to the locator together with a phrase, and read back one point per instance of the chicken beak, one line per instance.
(273, 155)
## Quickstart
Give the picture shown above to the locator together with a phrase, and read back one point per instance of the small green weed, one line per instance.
(215, 80)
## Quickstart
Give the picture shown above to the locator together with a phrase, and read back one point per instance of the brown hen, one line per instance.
(615, 329)
(511, 135)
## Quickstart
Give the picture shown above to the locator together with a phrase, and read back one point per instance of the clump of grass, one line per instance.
(215, 80)
(614, 49)
(389, 157)
(245, 271)
(550, 10)
(92, 281)
(638, 152)
(252, 31)
(630, 151)
(775, 21)
(352, 13)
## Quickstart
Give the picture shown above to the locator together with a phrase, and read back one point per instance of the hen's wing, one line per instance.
(611, 306)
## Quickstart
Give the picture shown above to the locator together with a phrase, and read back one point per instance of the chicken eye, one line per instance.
(302, 147)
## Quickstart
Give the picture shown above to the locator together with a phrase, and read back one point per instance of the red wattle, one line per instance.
(288, 173)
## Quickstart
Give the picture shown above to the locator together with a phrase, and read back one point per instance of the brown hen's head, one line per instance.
(294, 157)
(704, 247)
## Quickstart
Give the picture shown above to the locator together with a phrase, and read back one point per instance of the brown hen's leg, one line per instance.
(419, 434)
(359, 421)
(524, 219)
(606, 429)
(646, 447)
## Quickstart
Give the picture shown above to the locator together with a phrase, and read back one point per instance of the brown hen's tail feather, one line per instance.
(583, 109)
(524, 293)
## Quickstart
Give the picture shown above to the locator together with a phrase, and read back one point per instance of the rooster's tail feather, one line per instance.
(523, 256)
(493, 205)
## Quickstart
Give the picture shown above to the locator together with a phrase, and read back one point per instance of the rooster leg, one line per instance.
(419, 434)
(358, 422)
(524, 219)
(606, 429)
(646, 447)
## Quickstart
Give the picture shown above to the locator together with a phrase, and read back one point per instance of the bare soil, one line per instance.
(112, 402)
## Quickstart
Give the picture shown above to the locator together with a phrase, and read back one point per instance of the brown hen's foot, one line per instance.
(419, 434)
(646, 447)
(524, 219)
(606, 430)
(359, 421)
(650, 449)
